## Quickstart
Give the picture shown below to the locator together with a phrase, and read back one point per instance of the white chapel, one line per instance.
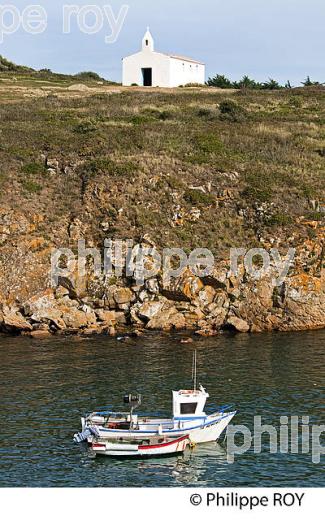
(149, 68)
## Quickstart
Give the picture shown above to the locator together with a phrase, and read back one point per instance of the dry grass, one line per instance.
(156, 144)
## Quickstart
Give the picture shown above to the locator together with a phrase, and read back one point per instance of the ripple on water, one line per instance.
(47, 385)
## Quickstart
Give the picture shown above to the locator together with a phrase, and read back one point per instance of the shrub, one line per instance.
(193, 85)
(255, 193)
(271, 84)
(315, 215)
(141, 119)
(208, 143)
(154, 113)
(106, 166)
(279, 219)
(259, 186)
(196, 197)
(33, 168)
(88, 76)
(9, 66)
(165, 115)
(247, 83)
(204, 146)
(86, 127)
(220, 81)
(308, 191)
(31, 187)
(309, 83)
(231, 111)
(206, 113)
(174, 182)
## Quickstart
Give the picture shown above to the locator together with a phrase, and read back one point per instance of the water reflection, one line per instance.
(46, 386)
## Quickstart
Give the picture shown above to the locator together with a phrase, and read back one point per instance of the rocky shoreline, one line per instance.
(206, 306)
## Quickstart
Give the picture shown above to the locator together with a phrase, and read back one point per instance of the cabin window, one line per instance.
(188, 408)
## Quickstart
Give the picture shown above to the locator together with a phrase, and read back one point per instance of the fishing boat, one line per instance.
(188, 418)
(151, 447)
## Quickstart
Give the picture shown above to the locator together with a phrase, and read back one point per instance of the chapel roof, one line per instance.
(185, 58)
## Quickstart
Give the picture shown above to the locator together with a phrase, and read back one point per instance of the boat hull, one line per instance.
(208, 429)
(116, 449)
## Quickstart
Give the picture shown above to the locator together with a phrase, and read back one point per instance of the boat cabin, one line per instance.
(189, 403)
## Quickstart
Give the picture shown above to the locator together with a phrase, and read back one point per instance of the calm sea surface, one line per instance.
(45, 386)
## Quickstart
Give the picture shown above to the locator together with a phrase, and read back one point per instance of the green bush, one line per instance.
(308, 191)
(259, 186)
(208, 143)
(206, 113)
(142, 119)
(174, 182)
(86, 127)
(196, 197)
(104, 165)
(153, 113)
(204, 147)
(315, 215)
(271, 84)
(220, 81)
(254, 193)
(88, 76)
(193, 85)
(279, 219)
(246, 82)
(165, 115)
(231, 111)
(31, 186)
(309, 83)
(33, 168)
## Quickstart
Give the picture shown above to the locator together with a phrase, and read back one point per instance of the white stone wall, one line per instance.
(159, 63)
(166, 71)
(184, 72)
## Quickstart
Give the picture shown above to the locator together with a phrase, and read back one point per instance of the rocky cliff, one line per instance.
(187, 169)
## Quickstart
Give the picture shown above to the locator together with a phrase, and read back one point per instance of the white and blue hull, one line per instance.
(199, 430)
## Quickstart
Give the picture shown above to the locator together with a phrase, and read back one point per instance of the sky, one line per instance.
(281, 39)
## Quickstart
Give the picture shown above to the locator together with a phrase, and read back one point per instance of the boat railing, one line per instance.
(141, 415)
(222, 409)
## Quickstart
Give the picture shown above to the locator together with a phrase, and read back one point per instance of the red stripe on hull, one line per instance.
(164, 444)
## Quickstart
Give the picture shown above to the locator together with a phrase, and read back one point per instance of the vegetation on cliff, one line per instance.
(251, 164)
(189, 168)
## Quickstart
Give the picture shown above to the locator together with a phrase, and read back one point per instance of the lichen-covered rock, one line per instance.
(78, 319)
(166, 319)
(106, 304)
(12, 320)
(206, 296)
(149, 309)
(123, 295)
(107, 317)
(238, 324)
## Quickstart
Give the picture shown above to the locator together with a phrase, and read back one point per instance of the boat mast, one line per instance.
(194, 370)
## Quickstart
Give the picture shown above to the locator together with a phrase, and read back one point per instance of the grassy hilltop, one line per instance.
(190, 167)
